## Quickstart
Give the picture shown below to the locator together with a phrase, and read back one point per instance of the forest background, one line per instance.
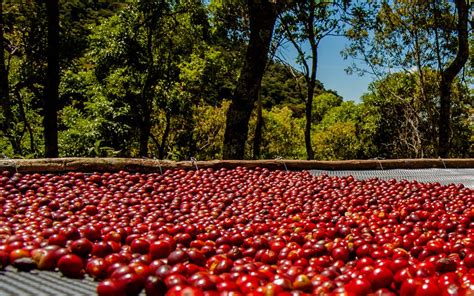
(174, 79)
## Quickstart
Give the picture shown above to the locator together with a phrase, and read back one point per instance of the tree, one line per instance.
(209, 134)
(138, 58)
(309, 22)
(447, 77)
(282, 86)
(345, 130)
(271, 69)
(262, 16)
(50, 101)
(26, 62)
(323, 103)
(24, 48)
(414, 37)
(403, 128)
(282, 134)
(7, 116)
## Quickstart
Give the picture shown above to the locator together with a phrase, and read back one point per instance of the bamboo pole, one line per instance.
(62, 165)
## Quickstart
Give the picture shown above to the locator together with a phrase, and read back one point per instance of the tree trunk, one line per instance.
(262, 17)
(145, 98)
(447, 78)
(4, 85)
(257, 139)
(311, 80)
(50, 119)
(145, 129)
(309, 103)
(145, 120)
(21, 109)
(164, 139)
(434, 132)
(190, 143)
(307, 129)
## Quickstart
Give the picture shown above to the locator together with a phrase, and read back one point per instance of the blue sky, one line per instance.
(331, 67)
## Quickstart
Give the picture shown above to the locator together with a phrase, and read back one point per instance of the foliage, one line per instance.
(94, 125)
(323, 103)
(25, 41)
(282, 135)
(131, 86)
(229, 21)
(209, 134)
(307, 23)
(416, 37)
(401, 35)
(407, 123)
(139, 53)
(282, 85)
(345, 132)
(209, 73)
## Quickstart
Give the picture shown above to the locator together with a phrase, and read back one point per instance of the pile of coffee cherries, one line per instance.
(240, 232)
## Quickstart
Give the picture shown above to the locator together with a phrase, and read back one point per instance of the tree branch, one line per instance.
(298, 48)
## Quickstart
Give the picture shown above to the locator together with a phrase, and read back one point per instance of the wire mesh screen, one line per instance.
(442, 176)
(43, 283)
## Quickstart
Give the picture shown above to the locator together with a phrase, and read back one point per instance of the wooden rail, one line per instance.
(61, 165)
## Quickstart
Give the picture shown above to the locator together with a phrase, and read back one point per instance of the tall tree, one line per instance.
(308, 22)
(414, 37)
(447, 77)
(50, 100)
(262, 16)
(4, 85)
(141, 61)
(128, 53)
(402, 127)
(257, 138)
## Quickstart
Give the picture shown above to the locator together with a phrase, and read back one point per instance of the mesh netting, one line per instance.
(442, 176)
(43, 283)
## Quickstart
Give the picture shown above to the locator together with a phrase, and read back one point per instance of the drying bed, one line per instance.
(13, 282)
